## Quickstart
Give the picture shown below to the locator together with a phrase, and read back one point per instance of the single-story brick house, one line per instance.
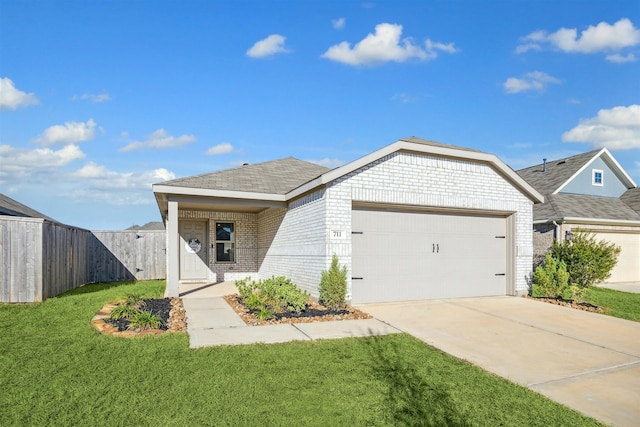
(590, 191)
(413, 220)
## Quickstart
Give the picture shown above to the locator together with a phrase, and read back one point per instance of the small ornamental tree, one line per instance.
(550, 279)
(333, 285)
(588, 260)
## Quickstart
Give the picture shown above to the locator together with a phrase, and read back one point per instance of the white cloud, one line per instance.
(160, 139)
(385, 45)
(12, 98)
(94, 98)
(535, 80)
(223, 148)
(267, 47)
(620, 59)
(404, 97)
(19, 164)
(68, 133)
(603, 37)
(617, 128)
(328, 163)
(97, 182)
(339, 23)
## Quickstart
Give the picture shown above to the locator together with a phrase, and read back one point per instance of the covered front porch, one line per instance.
(213, 240)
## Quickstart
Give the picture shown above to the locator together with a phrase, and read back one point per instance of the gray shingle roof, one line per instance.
(632, 198)
(10, 207)
(557, 172)
(581, 206)
(273, 177)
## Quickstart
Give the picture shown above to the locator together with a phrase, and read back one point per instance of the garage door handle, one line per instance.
(501, 274)
(356, 278)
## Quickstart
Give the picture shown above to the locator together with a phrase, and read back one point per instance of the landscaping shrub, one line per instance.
(550, 279)
(271, 296)
(144, 320)
(587, 260)
(333, 285)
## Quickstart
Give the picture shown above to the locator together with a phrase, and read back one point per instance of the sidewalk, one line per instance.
(211, 321)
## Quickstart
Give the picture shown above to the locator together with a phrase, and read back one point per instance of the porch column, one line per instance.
(173, 251)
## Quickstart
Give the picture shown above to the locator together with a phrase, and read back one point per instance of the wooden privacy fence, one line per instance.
(40, 259)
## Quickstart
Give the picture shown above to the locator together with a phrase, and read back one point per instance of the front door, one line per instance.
(193, 250)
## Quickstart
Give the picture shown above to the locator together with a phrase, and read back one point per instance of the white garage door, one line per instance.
(628, 267)
(402, 256)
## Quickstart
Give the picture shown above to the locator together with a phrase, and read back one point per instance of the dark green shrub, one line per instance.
(550, 279)
(588, 261)
(333, 285)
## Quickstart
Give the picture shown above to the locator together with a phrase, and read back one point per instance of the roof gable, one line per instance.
(556, 175)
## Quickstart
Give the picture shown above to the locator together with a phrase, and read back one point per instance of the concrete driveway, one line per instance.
(587, 361)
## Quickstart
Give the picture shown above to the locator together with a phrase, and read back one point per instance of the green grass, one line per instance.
(619, 304)
(55, 369)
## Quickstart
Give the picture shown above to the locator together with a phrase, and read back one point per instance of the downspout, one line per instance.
(557, 230)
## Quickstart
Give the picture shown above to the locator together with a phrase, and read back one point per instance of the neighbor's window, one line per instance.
(597, 177)
(225, 242)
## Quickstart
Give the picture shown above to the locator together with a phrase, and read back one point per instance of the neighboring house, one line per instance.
(414, 220)
(10, 207)
(593, 192)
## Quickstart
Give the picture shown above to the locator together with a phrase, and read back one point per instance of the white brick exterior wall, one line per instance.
(292, 241)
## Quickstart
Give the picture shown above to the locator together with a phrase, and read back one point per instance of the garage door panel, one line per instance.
(403, 256)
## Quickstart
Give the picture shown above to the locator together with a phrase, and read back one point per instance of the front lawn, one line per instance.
(619, 304)
(55, 369)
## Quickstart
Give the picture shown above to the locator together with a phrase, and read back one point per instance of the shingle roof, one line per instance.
(558, 206)
(10, 207)
(632, 198)
(557, 172)
(273, 177)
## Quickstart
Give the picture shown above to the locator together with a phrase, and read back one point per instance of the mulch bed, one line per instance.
(171, 311)
(584, 306)
(313, 313)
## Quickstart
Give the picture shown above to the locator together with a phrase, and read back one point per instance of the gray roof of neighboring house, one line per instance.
(273, 177)
(153, 225)
(10, 207)
(632, 198)
(558, 206)
(557, 172)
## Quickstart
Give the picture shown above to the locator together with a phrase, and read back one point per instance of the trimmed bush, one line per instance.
(271, 296)
(550, 279)
(333, 285)
(588, 261)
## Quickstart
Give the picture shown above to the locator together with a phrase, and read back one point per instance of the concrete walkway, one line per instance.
(587, 361)
(632, 287)
(211, 321)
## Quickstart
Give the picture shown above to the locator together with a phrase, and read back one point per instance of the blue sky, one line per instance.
(100, 99)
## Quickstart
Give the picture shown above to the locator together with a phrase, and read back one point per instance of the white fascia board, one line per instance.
(612, 163)
(403, 145)
(600, 221)
(225, 194)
